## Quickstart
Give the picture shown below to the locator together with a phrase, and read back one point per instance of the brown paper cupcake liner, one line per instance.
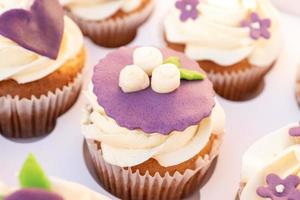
(35, 117)
(234, 83)
(239, 85)
(126, 184)
(114, 32)
(238, 195)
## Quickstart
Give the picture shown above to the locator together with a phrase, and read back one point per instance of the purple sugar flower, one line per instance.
(258, 27)
(188, 9)
(280, 189)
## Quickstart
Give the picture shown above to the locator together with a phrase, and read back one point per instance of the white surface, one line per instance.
(290, 6)
(61, 152)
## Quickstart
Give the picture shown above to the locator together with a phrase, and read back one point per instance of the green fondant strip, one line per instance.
(173, 60)
(32, 175)
(191, 75)
(185, 74)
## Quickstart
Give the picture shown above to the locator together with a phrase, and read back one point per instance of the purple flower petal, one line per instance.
(254, 17)
(245, 24)
(273, 180)
(180, 5)
(263, 192)
(255, 34)
(184, 16)
(294, 195)
(194, 14)
(266, 23)
(193, 2)
(265, 34)
(292, 180)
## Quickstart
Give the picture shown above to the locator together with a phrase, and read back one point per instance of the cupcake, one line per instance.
(149, 138)
(109, 23)
(235, 42)
(35, 185)
(41, 62)
(271, 167)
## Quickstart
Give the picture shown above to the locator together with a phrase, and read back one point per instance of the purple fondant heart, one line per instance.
(146, 109)
(33, 194)
(39, 29)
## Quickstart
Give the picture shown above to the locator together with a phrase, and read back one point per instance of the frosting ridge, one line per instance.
(99, 9)
(126, 148)
(277, 153)
(217, 35)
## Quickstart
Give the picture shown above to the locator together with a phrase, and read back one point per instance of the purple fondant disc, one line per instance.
(147, 110)
(33, 194)
(39, 29)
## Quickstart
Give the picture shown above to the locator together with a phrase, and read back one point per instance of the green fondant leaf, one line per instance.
(32, 175)
(191, 75)
(173, 60)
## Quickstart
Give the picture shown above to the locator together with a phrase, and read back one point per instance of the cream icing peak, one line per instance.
(126, 148)
(99, 9)
(13, 4)
(276, 153)
(217, 35)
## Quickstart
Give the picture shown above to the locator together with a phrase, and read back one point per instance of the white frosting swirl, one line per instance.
(25, 66)
(99, 9)
(126, 148)
(277, 153)
(216, 35)
(67, 190)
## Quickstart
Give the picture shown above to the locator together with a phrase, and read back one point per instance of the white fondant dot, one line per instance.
(256, 25)
(280, 188)
(188, 7)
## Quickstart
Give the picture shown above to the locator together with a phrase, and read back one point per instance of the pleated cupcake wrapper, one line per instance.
(35, 117)
(126, 184)
(239, 193)
(114, 32)
(238, 85)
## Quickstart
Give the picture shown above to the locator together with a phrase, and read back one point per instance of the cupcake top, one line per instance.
(35, 39)
(35, 185)
(100, 9)
(169, 118)
(271, 166)
(226, 32)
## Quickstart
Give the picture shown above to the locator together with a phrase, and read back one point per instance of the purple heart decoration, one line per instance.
(39, 29)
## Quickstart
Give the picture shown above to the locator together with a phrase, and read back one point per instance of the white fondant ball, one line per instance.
(133, 78)
(147, 58)
(165, 78)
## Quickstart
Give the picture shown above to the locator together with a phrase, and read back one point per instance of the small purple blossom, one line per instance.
(295, 131)
(280, 189)
(188, 9)
(258, 27)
